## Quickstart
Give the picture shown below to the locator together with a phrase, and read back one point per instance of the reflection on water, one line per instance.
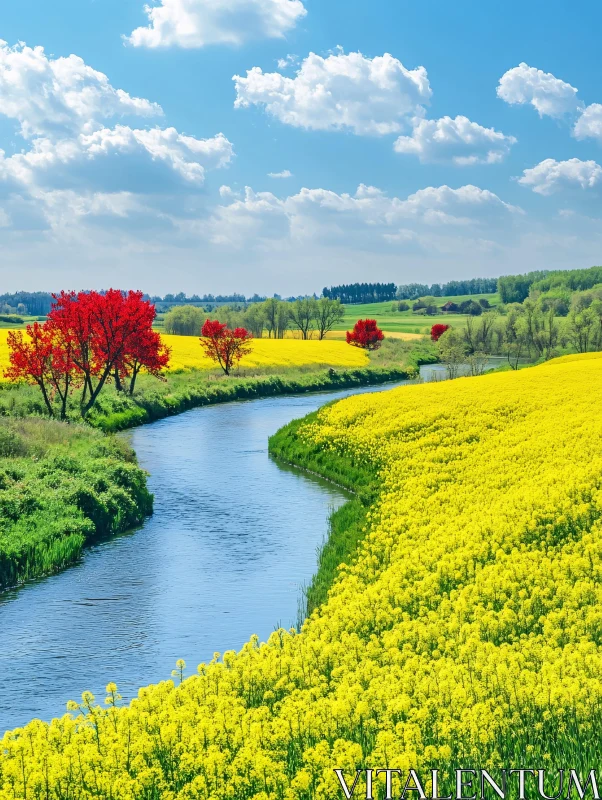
(232, 541)
(438, 372)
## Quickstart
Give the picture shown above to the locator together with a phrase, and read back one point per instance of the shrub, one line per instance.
(438, 330)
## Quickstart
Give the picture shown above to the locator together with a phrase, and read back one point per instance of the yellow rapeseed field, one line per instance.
(186, 353)
(467, 632)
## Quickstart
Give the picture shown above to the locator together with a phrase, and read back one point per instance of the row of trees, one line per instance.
(516, 288)
(413, 291)
(88, 341)
(530, 330)
(311, 317)
(361, 292)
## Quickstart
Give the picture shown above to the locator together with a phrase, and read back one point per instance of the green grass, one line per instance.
(12, 324)
(61, 487)
(192, 389)
(347, 524)
(408, 321)
(180, 391)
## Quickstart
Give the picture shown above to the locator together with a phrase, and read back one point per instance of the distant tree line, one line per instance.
(182, 298)
(361, 292)
(516, 288)
(312, 318)
(36, 304)
(412, 291)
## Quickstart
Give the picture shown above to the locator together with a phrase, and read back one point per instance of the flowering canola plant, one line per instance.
(466, 631)
(186, 353)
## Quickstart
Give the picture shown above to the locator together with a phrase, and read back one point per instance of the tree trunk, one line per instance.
(135, 371)
(46, 398)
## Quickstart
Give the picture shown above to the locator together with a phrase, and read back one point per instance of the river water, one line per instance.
(232, 542)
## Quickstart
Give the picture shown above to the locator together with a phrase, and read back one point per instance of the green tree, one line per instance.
(514, 335)
(581, 327)
(327, 314)
(184, 320)
(269, 308)
(254, 320)
(283, 319)
(303, 315)
(452, 351)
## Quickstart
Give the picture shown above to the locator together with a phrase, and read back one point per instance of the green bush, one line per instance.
(61, 486)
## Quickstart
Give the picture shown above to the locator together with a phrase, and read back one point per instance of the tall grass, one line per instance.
(61, 486)
(347, 523)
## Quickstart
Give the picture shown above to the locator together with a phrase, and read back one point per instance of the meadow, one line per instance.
(61, 487)
(407, 322)
(462, 626)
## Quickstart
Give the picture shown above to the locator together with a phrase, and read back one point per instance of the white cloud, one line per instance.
(57, 96)
(75, 166)
(118, 159)
(547, 94)
(589, 124)
(196, 23)
(286, 173)
(368, 96)
(549, 175)
(458, 140)
(289, 61)
(366, 218)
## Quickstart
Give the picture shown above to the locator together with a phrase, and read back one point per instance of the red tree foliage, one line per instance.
(88, 340)
(438, 330)
(366, 334)
(45, 359)
(148, 353)
(223, 345)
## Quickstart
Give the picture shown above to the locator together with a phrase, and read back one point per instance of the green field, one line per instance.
(13, 324)
(407, 321)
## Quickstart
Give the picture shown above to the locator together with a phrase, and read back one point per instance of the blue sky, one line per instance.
(473, 131)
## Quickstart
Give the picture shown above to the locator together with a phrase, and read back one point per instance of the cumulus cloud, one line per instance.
(196, 23)
(58, 96)
(369, 96)
(286, 173)
(550, 175)
(118, 159)
(366, 217)
(589, 124)
(549, 95)
(457, 140)
(75, 165)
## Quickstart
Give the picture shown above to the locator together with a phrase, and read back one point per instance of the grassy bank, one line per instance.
(61, 487)
(190, 390)
(347, 523)
(183, 389)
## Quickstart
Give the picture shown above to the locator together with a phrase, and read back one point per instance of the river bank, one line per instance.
(118, 412)
(61, 488)
(229, 548)
(346, 524)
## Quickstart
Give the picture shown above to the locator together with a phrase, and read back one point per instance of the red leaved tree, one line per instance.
(438, 330)
(147, 352)
(112, 339)
(366, 334)
(43, 357)
(89, 340)
(223, 345)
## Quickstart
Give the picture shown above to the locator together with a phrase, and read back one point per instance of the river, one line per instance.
(232, 542)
